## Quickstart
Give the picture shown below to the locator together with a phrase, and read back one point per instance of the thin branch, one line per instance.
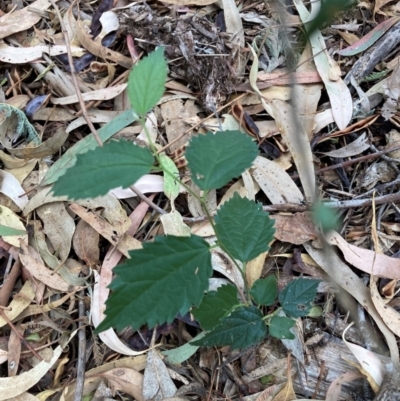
(80, 370)
(73, 74)
(145, 199)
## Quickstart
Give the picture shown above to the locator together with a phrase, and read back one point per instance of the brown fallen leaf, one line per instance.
(296, 229)
(126, 380)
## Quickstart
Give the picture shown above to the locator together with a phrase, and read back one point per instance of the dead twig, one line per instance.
(73, 74)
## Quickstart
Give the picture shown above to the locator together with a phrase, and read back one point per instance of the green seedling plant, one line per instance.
(171, 274)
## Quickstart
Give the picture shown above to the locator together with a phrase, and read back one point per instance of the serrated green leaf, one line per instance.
(279, 327)
(215, 305)
(164, 278)
(215, 159)
(6, 231)
(68, 159)
(116, 164)
(147, 81)
(242, 328)
(171, 184)
(265, 291)
(181, 354)
(297, 296)
(243, 228)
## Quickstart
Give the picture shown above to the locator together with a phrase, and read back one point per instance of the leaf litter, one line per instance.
(307, 122)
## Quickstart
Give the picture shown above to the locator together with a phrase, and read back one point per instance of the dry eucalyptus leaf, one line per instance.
(190, 2)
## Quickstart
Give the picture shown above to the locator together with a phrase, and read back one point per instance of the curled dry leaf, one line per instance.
(389, 315)
(99, 50)
(368, 261)
(369, 362)
(10, 186)
(47, 148)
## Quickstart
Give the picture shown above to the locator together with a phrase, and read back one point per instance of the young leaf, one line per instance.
(243, 228)
(116, 164)
(265, 291)
(215, 159)
(240, 329)
(279, 327)
(326, 217)
(215, 305)
(171, 184)
(164, 278)
(146, 82)
(297, 296)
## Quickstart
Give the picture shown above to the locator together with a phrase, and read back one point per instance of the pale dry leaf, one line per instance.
(306, 97)
(233, 22)
(21, 20)
(100, 294)
(101, 94)
(298, 143)
(59, 227)
(254, 268)
(202, 229)
(109, 23)
(46, 148)
(12, 188)
(379, 4)
(287, 393)
(14, 350)
(173, 224)
(369, 362)
(85, 242)
(296, 345)
(19, 303)
(338, 92)
(25, 397)
(388, 314)
(15, 386)
(392, 93)
(223, 264)
(275, 182)
(22, 55)
(368, 261)
(354, 148)
(157, 383)
(9, 219)
(31, 261)
(127, 380)
(333, 392)
(123, 242)
(296, 229)
(149, 183)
